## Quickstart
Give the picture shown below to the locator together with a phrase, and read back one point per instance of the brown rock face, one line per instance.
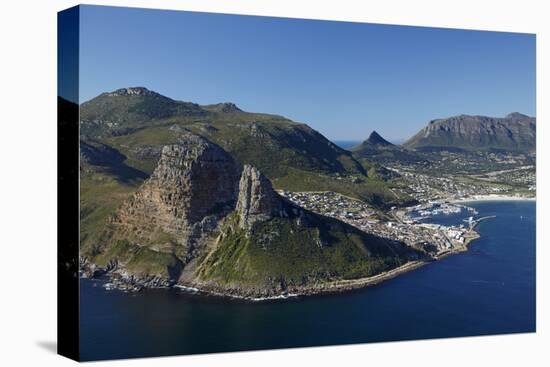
(194, 179)
(257, 200)
(514, 132)
(194, 185)
(185, 225)
(181, 208)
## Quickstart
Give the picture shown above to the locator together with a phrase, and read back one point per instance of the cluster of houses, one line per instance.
(362, 216)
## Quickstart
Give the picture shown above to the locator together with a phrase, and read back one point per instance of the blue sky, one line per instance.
(343, 79)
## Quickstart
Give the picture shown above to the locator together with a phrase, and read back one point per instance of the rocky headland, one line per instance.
(203, 221)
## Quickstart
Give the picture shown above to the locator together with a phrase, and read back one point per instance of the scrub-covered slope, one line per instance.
(138, 123)
(203, 220)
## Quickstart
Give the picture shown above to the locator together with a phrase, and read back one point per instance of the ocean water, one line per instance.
(346, 144)
(487, 290)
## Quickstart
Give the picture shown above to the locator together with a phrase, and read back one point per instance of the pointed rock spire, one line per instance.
(257, 200)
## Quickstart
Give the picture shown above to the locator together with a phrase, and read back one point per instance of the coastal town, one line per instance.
(459, 179)
(405, 225)
(448, 162)
(518, 182)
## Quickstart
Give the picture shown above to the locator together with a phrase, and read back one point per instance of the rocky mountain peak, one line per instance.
(225, 107)
(133, 91)
(516, 116)
(257, 200)
(515, 132)
(229, 107)
(196, 176)
(377, 139)
(193, 186)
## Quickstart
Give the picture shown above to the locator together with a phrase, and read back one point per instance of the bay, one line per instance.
(488, 290)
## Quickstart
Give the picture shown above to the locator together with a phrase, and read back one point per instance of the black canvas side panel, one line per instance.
(67, 184)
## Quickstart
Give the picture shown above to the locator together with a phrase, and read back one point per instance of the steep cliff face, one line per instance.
(202, 220)
(138, 122)
(193, 179)
(514, 132)
(192, 188)
(257, 201)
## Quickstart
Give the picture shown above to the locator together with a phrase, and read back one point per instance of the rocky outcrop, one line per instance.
(127, 109)
(147, 152)
(257, 200)
(133, 91)
(194, 185)
(178, 212)
(377, 139)
(378, 150)
(201, 220)
(161, 233)
(199, 178)
(225, 107)
(514, 132)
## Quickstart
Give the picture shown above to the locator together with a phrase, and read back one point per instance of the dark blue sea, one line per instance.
(487, 290)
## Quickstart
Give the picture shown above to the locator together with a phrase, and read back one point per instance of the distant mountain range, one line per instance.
(378, 149)
(514, 132)
(177, 192)
(170, 191)
(139, 122)
(202, 220)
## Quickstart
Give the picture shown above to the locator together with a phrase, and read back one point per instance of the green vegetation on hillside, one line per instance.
(281, 251)
(100, 196)
(139, 260)
(292, 155)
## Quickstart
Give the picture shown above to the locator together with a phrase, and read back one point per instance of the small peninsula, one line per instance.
(216, 200)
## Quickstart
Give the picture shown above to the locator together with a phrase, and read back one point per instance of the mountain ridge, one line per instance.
(377, 149)
(376, 139)
(203, 220)
(514, 132)
(138, 122)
